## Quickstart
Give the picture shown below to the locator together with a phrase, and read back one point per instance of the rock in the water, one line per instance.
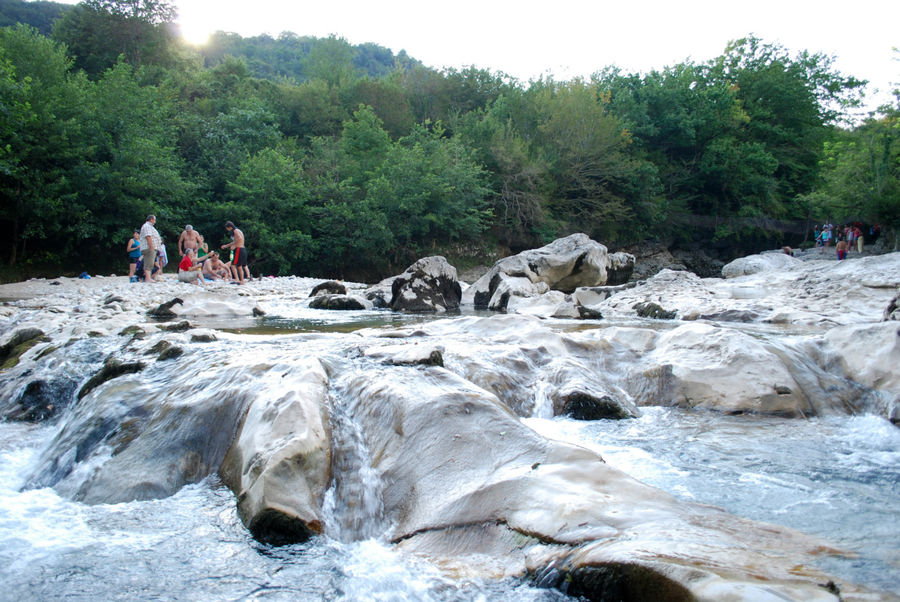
(111, 369)
(170, 353)
(182, 326)
(428, 285)
(408, 355)
(42, 399)
(563, 265)
(582, 401)
(331, 287)
(164, 310)
(21, 341)
(892, 311)
(380, 294)
(753, 264)
(648, 309)
(339, 302)
(280, 462)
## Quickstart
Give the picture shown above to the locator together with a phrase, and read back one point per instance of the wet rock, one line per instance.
(588, 313)
(339, 302)
(203, 338)
(731, 315)
(408, 355)
(140, 446)
(158, 348)
(133, 331)
(42, 399)
(585, 405)
(648, 309)
(182, 326)
(279, 464)
(505, 287)
(164, 310)
(21, 341)
(380, 294)
(331, 287)
(257, 312)
(111, 369)
(428, 285)
(892, 311)
(170, 353)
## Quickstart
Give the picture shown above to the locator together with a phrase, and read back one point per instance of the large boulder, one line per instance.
(464, 480)
(752, 264)
(132, 440)
(428, 285)
(563, 265)
(279, 464)
(868, 354)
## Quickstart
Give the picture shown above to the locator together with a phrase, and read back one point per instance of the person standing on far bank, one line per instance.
(133, 248)
(240, 252)
(150, 245)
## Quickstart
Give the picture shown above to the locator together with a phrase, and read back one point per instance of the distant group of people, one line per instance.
(845, 238)
(147, 255)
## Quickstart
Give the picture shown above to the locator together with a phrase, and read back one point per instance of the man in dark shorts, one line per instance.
(240, 252)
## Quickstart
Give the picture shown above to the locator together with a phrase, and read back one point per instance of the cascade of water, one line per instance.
(353, 506)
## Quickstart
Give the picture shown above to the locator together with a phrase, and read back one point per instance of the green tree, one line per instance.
(132, 166)
(594, 184)
(42, 213)
(430, 190)
(97, 32)
(331, 60)
(268, 200)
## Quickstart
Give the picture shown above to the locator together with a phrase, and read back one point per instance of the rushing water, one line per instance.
(838, 478)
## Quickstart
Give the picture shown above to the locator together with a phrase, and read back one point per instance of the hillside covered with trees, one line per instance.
(350, 161)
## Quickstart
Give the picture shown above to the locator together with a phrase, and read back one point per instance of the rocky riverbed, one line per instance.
(414, 431)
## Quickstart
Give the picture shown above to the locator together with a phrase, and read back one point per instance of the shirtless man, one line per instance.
(240, 252)
(189, 239)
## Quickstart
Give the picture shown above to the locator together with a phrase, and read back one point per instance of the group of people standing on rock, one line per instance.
(147, 255)
(846, 238)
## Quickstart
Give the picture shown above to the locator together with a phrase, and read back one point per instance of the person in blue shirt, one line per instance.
(133, 248)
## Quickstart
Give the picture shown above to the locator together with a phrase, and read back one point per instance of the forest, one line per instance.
(351, 161)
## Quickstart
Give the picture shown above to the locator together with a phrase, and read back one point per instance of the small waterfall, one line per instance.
(353, 506)
(543, 404)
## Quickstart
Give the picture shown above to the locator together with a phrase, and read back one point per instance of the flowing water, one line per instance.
(838, 478)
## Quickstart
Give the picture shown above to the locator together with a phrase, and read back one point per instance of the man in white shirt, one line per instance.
(150, 245)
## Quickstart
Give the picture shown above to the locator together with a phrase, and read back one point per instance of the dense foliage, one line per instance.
(341, 160)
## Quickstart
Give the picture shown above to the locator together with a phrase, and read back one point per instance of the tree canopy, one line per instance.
(341, 160)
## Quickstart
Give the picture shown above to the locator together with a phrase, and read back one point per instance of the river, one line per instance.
(835, 477)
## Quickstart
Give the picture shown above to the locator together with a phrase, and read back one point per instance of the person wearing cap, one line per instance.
(189, 239)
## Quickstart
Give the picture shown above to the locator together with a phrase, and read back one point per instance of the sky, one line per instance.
(566, 38)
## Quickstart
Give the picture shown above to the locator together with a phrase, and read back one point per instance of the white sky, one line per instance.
(568, 38)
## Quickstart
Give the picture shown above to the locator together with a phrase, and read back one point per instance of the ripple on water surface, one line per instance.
(837, 478)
